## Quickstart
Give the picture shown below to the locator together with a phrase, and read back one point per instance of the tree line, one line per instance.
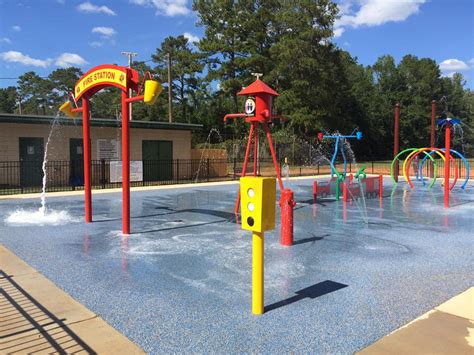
(321, 86)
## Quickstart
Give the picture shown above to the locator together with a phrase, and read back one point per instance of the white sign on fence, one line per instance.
(136, 171)
(108, 149)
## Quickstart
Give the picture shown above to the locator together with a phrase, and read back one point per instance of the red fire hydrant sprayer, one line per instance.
(258, 111)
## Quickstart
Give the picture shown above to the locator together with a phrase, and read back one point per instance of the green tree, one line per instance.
(107, 103)
(60, 83)
(422, 84)
(8, 99)
(307, 65)
(225, 42)
(33, 94)
(63, 80)
(186, 65)
(142, 111)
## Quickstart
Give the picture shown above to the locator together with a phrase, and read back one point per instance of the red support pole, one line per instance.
(447, 162)
(396, 139)
(344, 191)
(315, 191)
(244, 169)
(432, 135)
(87, 160)
(125, 164)
(272, 151)
(380, 186)
(344, 207)
(287, 204)
(255, 150)
(351, 177)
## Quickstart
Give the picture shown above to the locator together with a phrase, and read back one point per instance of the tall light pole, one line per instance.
(130, 56)
(170, 90)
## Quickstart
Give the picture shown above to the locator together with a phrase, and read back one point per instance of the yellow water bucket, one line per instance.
(67, 109)
(152, 89)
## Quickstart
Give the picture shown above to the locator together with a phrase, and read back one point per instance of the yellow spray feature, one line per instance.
(152, 90)
(66, 108)
(258, 197)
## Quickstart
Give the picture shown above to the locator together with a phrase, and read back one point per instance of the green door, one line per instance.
(157, 160)
(31, 161)
(76, 165)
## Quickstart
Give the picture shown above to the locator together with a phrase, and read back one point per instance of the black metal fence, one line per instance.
(27, 176)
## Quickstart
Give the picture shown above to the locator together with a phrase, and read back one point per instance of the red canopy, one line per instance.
(258, 87)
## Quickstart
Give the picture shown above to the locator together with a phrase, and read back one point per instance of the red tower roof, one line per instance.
(258, 87)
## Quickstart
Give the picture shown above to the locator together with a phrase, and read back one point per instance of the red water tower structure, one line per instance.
(258, 112)
(96, 79)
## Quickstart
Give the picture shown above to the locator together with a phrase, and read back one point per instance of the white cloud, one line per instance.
(64, 60)
(373, 13)
(191, 38)
(5, 40)
(96, 44)
(70, 59)
(453, 64)
(471, 62)
(18, 57)
(338, 32)
(166, 7)
(91, 8)
(448, 74)
(16, 28)
(104, 31)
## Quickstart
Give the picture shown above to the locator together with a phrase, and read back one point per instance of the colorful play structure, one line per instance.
(339, 146)
(258, 111)
(369, 187)
(445, 154)
(256, 198)
(353, 187)
(96, 79)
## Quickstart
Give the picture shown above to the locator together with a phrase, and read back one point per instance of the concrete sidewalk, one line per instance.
(446, 329)
(36, 316)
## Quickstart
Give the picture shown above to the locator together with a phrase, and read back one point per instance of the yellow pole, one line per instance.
(257, 272)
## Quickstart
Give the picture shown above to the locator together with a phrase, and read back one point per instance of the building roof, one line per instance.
(95, 122)
(258, 87)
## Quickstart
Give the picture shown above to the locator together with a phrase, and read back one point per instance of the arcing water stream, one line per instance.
(42, 216)
(54, 125)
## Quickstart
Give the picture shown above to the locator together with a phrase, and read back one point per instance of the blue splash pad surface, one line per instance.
(182, 281)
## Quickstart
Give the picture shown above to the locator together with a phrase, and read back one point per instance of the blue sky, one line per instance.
(42, 35)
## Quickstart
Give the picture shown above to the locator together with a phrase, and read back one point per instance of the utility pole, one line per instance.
(130, 56)
(170, 90)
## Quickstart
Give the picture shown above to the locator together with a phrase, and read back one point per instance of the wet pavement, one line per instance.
(182, 280)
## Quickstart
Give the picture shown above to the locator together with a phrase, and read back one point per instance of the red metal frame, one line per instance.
(130, 82)
(253, 136)
(262, 115)
(447, 154)
(432, 133)
(396, 140)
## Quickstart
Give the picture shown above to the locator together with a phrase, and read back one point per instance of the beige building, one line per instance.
(155, 149)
